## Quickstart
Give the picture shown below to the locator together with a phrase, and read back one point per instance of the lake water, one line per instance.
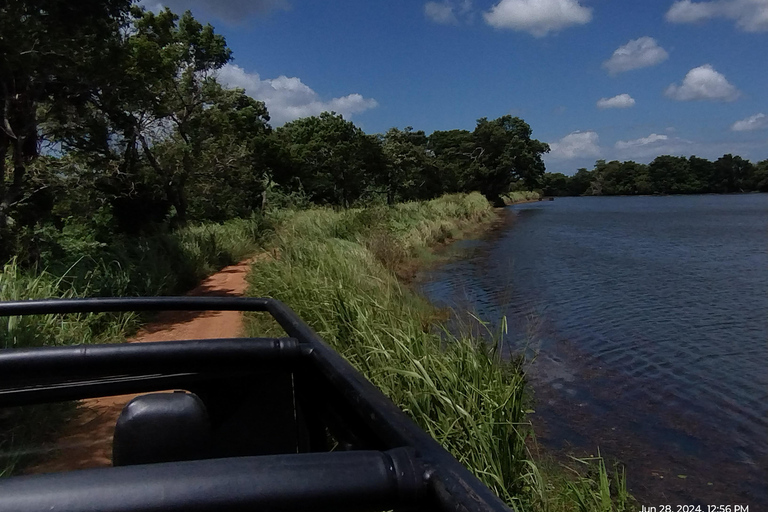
(648, 317)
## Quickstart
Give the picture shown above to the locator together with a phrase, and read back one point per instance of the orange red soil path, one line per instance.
(86, 441)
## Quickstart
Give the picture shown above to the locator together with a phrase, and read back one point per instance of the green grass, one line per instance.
(335, 269)
(521, 196)
(330, 270)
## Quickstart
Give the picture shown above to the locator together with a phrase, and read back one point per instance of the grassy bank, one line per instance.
(161, 264)
(335, 270)
(521, 196)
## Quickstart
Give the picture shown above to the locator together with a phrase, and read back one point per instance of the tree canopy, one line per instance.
(114, 122)
(666, 174)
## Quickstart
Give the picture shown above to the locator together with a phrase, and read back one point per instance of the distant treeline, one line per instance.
(665, 175)
(113, 122)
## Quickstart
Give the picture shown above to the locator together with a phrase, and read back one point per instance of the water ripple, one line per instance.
(651, 309)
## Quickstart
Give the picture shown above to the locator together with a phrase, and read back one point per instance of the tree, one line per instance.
(225, 154)
(331, 159)
(161, 80)
(506, 153)
(580, 182)
(50, 52)
(455, 157)
(703, 172)
(554, 184)
(671, 175)
(760, 177)
(732, 174)
(411, 171)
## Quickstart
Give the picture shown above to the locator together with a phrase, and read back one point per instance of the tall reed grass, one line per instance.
(456, 388)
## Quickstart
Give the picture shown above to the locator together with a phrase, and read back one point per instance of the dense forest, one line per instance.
(665, 175)
(114, 125)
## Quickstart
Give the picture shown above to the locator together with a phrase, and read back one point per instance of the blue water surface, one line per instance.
(649, 318)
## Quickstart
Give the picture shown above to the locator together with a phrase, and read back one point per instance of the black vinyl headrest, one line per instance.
(161, 427)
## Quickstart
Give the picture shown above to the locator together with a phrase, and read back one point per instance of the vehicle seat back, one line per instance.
(161, 427)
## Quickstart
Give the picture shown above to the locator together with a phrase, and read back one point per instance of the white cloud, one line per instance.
(575, 145)
(638, 53)
(447, 12)
(755, 122)
(703, 83)
(538, 17)
(151, 5)
(644, 141)
(620, 101)
(749, 15)
(289, 98)
(441, 13)
(227, 10)
(647, 148)
(686, 11)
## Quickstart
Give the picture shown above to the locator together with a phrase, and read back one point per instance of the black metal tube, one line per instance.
(115, 304)
(339, 482)
(46, 364)
(451, 484)
(80, 390)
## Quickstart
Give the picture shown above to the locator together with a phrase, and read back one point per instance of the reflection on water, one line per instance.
(650, 315)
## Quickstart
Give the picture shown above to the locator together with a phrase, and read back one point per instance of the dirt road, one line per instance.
(86, 441)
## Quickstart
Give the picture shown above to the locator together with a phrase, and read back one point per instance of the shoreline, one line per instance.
(369, 312)
(575, 417)
(408, 270)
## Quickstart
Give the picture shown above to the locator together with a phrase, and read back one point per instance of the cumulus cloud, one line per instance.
(703, 83)
(226, 10)
(644, 141)
(289, 98)
(575, 145)
(441, 13)
(755, 122)
(648, 148)
(638, 53)
(151, 5)
(537, 17)
(749, 15)
(620, 101)
(447, 12)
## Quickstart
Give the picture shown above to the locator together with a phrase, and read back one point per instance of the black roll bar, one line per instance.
(438, 482)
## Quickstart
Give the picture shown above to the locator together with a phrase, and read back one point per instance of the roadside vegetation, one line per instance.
(127, 169)
(336, 269)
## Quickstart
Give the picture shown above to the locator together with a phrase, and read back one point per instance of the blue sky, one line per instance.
(676, 77)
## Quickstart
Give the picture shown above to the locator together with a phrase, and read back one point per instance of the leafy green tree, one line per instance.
(224, 156)
(732, 174)
(160, 81)
(411, 171)
(760, 177)
(456, 158)
(703, 172)
(506, 153)
(665, 175)
(580, 182)
(51, 52)
(555, 184)
(671, 175)
(330, 159)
